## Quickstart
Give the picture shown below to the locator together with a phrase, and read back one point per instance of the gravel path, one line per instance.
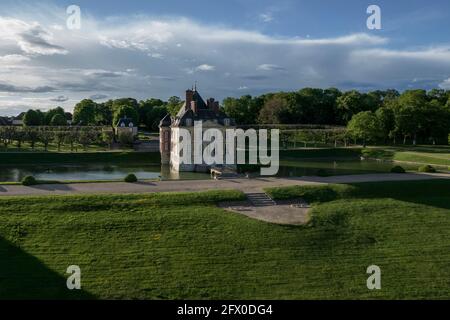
(246, 185)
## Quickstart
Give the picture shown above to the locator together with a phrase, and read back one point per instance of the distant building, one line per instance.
(193, 109)
(18, 120)
(5, 121)
(126, 125)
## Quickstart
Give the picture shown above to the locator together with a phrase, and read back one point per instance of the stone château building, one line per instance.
(194, 109)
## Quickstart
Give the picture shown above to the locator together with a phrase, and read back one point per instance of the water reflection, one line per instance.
(288, 168)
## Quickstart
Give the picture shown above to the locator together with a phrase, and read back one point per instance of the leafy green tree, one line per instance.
(50, 114)
(7, 135)
(275, 111)
(60, 138)
(386, 119)
(145, 107)
(125, 138)
(84, 113)
(126, 111)
(107, 136)
(353, 102)
(45, 136)
(87, 136)
(103, 114)
(365, 126)
(32, 136)
(32, 118)
(58, 120)
(155, 116)
(19, 136)
(173, 105)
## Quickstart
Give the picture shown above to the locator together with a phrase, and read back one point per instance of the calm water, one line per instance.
(92, 172)
(113, 172)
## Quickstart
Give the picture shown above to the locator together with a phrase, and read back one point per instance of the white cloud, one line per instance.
(205, 67)
(13, 59)
(266, 17)
(156, 55)
(31, 38)
(445, 84)
(111, 57)
(269, 67)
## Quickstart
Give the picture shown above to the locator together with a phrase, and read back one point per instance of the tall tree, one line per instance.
(32, 118)
(84, 113)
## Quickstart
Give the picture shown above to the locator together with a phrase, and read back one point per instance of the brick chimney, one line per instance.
(216, 107)
(194, 106)
(189, 98)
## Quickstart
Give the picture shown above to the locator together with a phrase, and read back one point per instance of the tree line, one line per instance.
(376, 116)
(60, 136)
(147, 113)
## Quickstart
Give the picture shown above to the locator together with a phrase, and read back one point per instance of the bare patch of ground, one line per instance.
(293, 212)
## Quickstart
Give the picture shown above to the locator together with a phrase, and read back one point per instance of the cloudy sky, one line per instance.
(145, 49)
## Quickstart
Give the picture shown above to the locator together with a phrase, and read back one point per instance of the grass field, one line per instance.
(333, 153)
(61, 158)
(437, 155)
(180, 246)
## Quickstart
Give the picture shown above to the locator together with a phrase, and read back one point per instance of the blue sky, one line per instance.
(159, 48)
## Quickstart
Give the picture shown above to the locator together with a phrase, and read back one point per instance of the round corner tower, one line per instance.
(164, 139)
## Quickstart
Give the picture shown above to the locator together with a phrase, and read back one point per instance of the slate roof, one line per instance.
(126, 121)
(203, 113)
(166, 121)
(4, 121)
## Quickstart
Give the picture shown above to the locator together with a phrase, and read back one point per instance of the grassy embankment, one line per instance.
(433, 155)
(180, 246)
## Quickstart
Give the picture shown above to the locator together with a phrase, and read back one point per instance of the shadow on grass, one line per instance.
(435, 192)
(52, 187)
(23, 276)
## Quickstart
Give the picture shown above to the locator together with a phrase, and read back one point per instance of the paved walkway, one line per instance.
(246, 185)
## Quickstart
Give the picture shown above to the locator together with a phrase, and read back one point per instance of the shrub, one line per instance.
(125, 138)
(397, 169)
(427, 168)
(29, 181)
(131, 178)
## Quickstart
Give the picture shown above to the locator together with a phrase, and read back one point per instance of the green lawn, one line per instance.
(333, 153)
(180, 246)
(437, 155)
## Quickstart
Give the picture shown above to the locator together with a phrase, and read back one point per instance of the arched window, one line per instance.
(188, 122)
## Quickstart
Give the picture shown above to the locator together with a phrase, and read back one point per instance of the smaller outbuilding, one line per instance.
(126, 125)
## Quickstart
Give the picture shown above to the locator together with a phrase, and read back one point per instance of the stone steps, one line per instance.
(260, 199)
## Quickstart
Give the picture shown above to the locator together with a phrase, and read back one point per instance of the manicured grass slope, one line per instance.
(437, 155)
(183, 246)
